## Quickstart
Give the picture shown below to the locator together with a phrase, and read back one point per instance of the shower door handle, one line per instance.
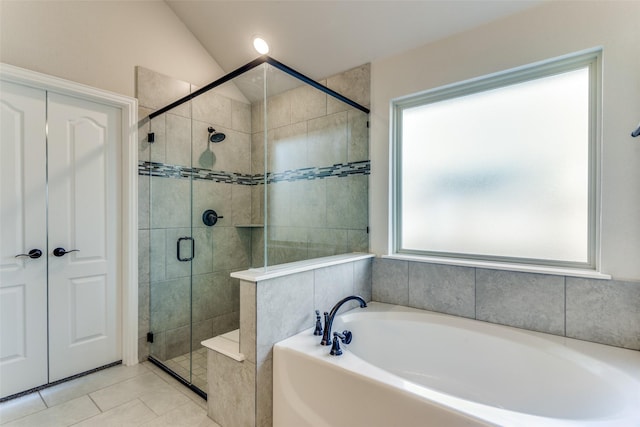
(193, 249)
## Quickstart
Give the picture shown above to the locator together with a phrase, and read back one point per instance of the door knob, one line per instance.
(61, 251)
(33, 254)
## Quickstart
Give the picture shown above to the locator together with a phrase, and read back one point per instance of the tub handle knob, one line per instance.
(345, 337)
(318, 330)
(335, 348)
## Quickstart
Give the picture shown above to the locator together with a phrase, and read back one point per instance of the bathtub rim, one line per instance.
(624, 360)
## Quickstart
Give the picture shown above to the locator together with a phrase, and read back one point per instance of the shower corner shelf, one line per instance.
(249, 225)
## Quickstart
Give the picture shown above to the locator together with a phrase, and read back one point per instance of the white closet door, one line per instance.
(23, 280)
(84, 207)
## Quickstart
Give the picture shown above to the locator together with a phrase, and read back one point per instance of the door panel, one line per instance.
(12, 304)
(83, 213)
(88, 300)
(23, 280)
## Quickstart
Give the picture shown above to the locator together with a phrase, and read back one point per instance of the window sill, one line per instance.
(493, 265)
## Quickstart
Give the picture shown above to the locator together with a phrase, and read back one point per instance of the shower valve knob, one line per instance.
(210, 217)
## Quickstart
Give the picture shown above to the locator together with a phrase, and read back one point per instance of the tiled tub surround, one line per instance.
(271, 309)
(602, 311)
(593, 310)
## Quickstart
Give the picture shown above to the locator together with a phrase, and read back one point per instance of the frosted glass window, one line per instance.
(499, 173)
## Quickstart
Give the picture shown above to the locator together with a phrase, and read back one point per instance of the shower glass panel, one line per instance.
(317, 166)
(172, 246)
(258, 169)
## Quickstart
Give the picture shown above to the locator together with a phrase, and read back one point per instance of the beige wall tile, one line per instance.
(307, 103)
(240, 116)
(287, 148)
(327, 140)
(231, 399)
(278, 111)
(355, 84)
(178, 140)
(211, 107)
(155, 90)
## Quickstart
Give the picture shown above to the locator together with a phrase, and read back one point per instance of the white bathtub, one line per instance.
(408, 367)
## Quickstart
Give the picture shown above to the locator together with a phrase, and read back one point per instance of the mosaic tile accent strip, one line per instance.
(173, 171)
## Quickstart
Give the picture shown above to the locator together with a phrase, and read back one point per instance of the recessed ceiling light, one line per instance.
(260, 45)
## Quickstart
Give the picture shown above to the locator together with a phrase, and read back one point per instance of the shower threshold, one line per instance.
(178, 368)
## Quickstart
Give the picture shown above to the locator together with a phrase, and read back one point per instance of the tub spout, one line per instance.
(328, 319)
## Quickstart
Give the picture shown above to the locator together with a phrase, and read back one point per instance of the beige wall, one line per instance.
(547, 31)
(99, 43)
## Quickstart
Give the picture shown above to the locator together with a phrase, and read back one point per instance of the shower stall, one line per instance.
(262, 167)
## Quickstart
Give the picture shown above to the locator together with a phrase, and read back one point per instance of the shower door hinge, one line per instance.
(367, 124)
(150, 337)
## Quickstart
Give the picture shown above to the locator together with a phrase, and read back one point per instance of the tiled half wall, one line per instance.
(240, 393)
(602, 311)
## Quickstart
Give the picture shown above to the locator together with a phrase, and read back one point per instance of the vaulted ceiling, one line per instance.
(320, 38)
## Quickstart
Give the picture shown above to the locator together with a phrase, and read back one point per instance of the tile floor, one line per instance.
(141, 395)
(180, 365)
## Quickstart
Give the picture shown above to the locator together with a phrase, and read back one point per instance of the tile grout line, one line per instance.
(43, 401)
(565, 306)
(96, 403)
(475, 293)
(408, 284)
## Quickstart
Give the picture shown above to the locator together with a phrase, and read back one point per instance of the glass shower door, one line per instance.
(172, 247)
(197, 237)
(220, 158)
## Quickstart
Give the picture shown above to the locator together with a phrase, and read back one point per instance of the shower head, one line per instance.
(216, 136)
